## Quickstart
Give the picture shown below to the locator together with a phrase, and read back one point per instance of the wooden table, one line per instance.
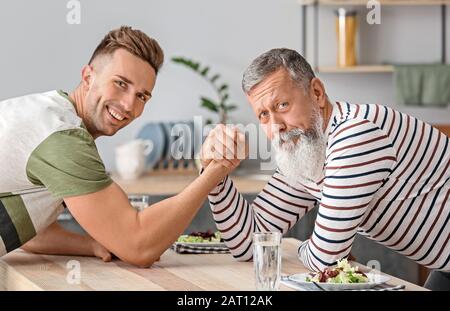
(172, 182)
(23, 271)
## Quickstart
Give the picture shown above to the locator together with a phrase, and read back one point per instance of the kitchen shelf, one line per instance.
(375, 68)
(356, 69)
(382, 2)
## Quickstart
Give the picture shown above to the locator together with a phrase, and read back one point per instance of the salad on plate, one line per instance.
(344, 273)
(201, 237)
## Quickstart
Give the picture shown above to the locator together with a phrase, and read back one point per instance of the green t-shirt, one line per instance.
(46, 154)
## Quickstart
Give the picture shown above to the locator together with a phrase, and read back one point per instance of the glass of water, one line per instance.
(139, 201)
(267, 260)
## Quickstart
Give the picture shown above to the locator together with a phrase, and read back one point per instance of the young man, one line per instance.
(49, 157)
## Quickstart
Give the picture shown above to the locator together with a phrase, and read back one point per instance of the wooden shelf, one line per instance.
(363, 68)
(356, 69)
(382, 2)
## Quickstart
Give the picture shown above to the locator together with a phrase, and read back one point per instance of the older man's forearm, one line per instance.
(277, 208)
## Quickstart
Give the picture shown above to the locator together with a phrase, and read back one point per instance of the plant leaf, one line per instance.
(178, 59)
(214, 78)
(204, 72)
(195, 66)
(221, 91)
(186, 62)
(209, 104)
(223, 87)
(230, 107)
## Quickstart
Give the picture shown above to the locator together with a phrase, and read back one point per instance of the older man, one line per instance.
(370, 169)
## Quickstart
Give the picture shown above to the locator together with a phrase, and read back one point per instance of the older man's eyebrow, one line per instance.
(145, 92)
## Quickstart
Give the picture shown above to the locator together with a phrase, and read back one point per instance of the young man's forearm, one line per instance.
(55, 240)
(136, 237)
(175, 213)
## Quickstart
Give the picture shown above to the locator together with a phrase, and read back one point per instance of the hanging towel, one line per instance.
(422, 84)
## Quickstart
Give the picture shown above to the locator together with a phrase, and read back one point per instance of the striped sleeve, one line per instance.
(360, 158)
(277, 208)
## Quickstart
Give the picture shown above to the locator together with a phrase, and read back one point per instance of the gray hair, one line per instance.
(269, 62)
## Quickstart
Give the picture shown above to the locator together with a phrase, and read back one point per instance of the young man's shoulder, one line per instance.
(42, 104)
(40, 113)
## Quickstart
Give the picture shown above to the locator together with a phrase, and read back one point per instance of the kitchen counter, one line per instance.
(172, 182)
(24, 271)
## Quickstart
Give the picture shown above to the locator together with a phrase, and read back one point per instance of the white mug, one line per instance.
(131, 156)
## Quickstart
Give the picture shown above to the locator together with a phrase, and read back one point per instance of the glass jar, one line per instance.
(346, 28)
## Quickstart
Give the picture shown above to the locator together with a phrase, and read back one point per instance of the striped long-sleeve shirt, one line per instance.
(386, 176)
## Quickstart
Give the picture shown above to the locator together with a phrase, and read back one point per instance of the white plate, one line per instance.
(374, 280)
(154, 132)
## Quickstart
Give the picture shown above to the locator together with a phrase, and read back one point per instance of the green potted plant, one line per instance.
(221, 104)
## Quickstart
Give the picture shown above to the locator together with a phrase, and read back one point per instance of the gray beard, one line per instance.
(304, 159)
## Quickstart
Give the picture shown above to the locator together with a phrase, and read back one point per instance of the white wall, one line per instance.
(39, 51)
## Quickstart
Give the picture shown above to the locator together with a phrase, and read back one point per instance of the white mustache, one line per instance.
(290, 135)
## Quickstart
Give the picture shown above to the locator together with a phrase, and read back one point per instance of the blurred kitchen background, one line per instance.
(42, 51)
